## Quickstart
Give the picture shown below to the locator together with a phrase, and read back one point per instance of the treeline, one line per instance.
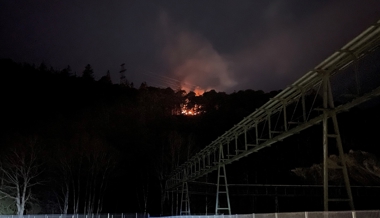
(95, 146)
(95, 135)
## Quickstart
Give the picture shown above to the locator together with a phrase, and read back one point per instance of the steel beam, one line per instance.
(375, 93)
(353, 51)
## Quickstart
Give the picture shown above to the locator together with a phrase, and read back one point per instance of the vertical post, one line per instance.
(228, 146)
(222, 175)
(226, 185)
(276, 200)
(285, 118)
(269, 126)
(209, 158)
(185, 200)
(257, 133)
(236, 147)
(353, 214)
(325, 146)
(204, 162)
(341, 152)
(303, 106)
(177, 200)
(172, 204)
(245, 138)
(206, 205)
(328, 111)
(217, 191)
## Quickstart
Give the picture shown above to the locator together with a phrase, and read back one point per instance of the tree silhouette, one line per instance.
(66, 71)
(106, 79)
(88, 73)
(20, 169)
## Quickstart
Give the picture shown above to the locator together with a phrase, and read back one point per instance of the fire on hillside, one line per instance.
(196, 110)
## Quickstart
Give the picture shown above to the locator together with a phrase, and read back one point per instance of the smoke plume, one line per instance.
(192, 59)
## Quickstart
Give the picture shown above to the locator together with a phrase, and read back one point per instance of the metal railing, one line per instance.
(107, 215)
(317, 214)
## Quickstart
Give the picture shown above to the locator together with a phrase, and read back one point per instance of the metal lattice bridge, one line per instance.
(266, 129)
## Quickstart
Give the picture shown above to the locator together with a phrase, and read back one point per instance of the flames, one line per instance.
(191, 88)
(191, 111)
(188, 108)
(198, 91)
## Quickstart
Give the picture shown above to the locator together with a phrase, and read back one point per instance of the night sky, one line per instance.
(213, 44)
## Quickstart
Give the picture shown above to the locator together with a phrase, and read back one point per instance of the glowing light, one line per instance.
(191, 111)
(185, 108)
(198, 91)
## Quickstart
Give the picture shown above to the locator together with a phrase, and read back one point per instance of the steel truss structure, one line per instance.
(272, 122)
(279, 190)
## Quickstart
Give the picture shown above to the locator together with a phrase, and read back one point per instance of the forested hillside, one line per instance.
(94, 146)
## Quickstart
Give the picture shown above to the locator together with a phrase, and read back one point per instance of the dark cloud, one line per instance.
(222, 45)
(289, 47)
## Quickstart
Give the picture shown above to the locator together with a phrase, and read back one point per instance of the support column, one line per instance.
(269, 125)
(303, 106)
(172, 203)
(185, 200)
(176, 202)
(328, 111)
(276, 201)
(325, 146)
(222, 195)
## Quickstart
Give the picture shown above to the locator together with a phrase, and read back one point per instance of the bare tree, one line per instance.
(142, 193)
(363, 168)
(84, 170)
(100, 163)
(176, 151)
(64, 181)
(20, 168)
(169, 158)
